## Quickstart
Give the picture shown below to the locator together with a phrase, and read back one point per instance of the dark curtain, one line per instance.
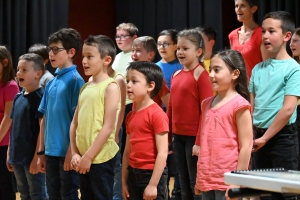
(153, 16)
(26, 22)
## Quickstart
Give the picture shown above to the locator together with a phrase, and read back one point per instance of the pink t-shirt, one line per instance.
(250, 50)
(7, 93)
(219, 146)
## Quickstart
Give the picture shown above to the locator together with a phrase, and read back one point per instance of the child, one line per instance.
(144, 175)
(295, 48)
(209, 36)
(167, 46)
(8, 89)
(144, 49)
(226, 135)
(58, 106)
(92, 131)
(42, 51)
(21, 156)
(191, 83)
(274, 90)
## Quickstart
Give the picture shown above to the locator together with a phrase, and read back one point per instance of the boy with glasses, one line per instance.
(58, 106)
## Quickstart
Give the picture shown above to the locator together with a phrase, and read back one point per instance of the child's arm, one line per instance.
(161, 141)
(33, 168)
(41, 161)
(74, 150)
(281, 119)
(121, 82)
(6, 121)
(164, 93)
(125, 164)
(9, 166)
(112, 98)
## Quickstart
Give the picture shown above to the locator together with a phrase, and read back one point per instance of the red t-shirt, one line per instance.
(142, 127)
(163, 91)
(186, 95)
(249, 50)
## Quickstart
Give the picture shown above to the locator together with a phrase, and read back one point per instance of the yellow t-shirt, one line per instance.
(91, 106)
(207, 64)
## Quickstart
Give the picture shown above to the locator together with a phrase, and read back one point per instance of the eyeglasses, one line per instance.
(55, 50)
(164, 45)
(121, 37)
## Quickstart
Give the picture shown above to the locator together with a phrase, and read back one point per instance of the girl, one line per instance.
(8, 90)
(248, 38)
(295, 48)
(226, 136)
(167, 46)
(191, 83)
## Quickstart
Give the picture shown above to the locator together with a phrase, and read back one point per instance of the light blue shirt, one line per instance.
(58, 106)
(270, 82)
(168, 69)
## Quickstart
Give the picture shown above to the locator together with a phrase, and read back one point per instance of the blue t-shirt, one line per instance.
(58, 104)
(270, 82)
(25, 127)
(168, 69)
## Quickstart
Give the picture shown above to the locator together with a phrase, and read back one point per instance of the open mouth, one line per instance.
(21, 80)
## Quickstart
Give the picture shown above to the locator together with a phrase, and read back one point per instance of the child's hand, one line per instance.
(125, 191)
(196, 150)
(33, 168)
(67, 163)
(150, 192)
(226, 194)
(9, 166)
(197, 191)
(84, 164)
(41, 163)
(258, 143)
(75, 161)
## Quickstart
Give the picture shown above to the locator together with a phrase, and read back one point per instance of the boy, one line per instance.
(58, 105)
(42, 51)
(274, 90)
(209, 36)
(144, 49)
(92, 131)
(21, 156)
(144, 175)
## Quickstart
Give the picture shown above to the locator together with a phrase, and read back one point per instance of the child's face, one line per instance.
(220, 77)
(60, 58)
(166, 47)
(91, 60)
(243, 10)
(187, 53)
(295, 45)
(26, 75)
(137, 86)
(138, 53)
(124, 40)
(272, 35)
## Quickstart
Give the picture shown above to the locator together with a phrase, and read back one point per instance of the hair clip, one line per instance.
(200, 44)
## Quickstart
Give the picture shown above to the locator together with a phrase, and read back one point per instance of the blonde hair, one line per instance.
(146, 42)
(129, 27)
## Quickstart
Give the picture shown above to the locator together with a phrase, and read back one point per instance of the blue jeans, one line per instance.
(98, 183)
(117, 191)
(61, 184)
(138, 179)
(30, 186)
(186, 165)
(213, 195)
(7, 191)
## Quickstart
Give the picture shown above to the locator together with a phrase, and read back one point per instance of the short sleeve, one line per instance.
(160, 122)
(242, 103)
(251, 82)
(293, 82)
(127, 121)
(11, 89)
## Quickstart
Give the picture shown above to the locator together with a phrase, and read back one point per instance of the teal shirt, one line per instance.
(271, 80)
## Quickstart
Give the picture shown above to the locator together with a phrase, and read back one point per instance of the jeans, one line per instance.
(213, 195)
(30, 186)
(61, 184)
(6, 185)
(98, 183)
(117, 191)
(186, 165)
(138, 180)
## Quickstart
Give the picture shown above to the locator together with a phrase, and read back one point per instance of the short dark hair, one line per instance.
(286, 19)
(252, 3)
(151, 71)
(171, 32)
(69, 39)
(38, 62)
(104, 44)
(209, 31)
(39, 49)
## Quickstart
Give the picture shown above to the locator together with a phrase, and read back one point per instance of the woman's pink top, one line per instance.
(249, 50)
(219, 146)
(7, 93)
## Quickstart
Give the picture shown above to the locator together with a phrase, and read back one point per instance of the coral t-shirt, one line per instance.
(142, 127)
